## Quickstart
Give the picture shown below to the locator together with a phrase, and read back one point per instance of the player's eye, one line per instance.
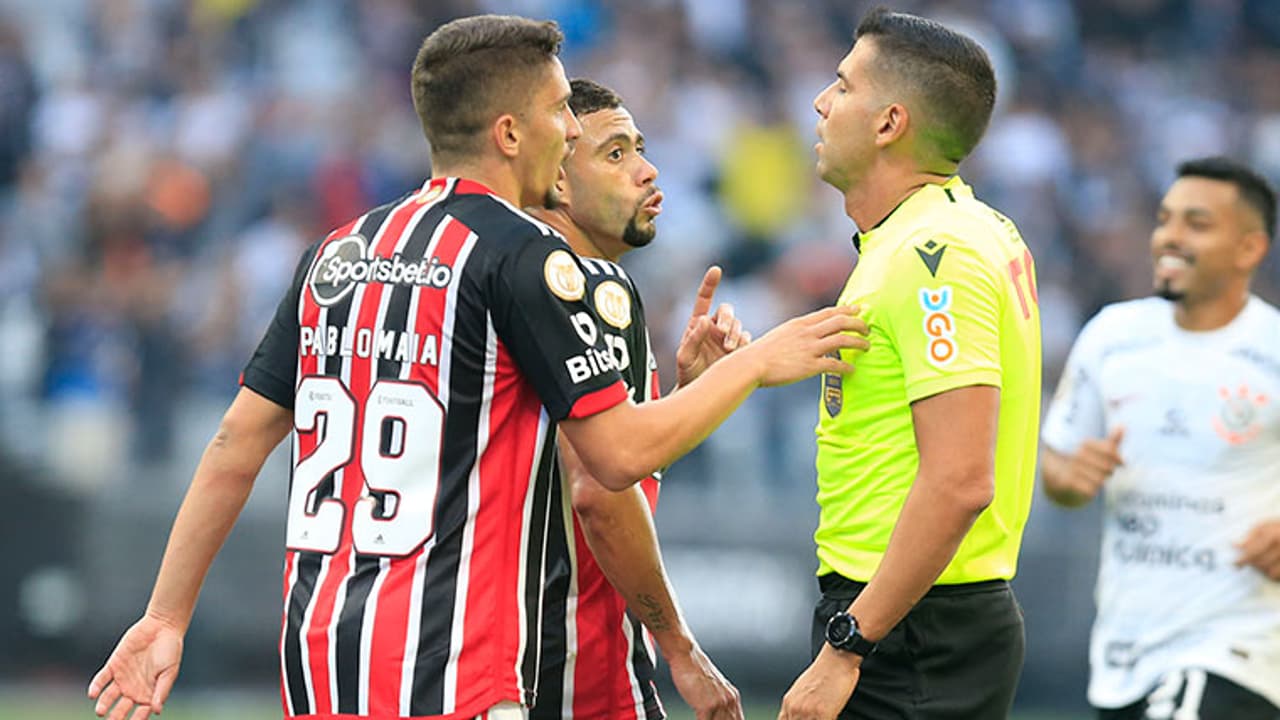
(641, 149)
(615, 154)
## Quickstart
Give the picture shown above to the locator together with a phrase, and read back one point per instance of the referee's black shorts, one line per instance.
(956, 656)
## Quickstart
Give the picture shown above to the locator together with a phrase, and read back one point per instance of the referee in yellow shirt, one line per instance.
(926, 453)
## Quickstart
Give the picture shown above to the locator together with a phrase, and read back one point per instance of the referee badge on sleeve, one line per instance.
(563, 276)
(833, 389)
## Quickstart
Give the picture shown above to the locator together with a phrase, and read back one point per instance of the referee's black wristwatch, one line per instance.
(843, 634)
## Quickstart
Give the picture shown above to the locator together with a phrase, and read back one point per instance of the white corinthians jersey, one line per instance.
(1201, 452)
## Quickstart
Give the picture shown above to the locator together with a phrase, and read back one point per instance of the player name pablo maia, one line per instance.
(390, 345)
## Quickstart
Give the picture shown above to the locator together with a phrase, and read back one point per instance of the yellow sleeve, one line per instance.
(944, 304)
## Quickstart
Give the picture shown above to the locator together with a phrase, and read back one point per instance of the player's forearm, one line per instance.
(1056, 475)
(629, 442)
(935, 518)
(619, 530)
(219, 489)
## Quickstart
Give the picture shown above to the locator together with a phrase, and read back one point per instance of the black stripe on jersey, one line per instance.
(555, 611)
(547, 533)
(645, 672)
(458, 455)
(397, 317)
(347, 655)
(308, 569)
(339, 313)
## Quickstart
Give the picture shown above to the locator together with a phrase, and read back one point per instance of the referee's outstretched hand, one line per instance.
(140, 672)
(808, 345)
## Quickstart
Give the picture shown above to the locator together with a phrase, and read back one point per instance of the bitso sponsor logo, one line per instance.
(614, 304)
(345, 262)
(563, 276)
(939, 325)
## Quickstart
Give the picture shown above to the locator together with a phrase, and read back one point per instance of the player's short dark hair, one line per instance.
(1254, 189)
(949, 72)
(472, 69)
(590, 96)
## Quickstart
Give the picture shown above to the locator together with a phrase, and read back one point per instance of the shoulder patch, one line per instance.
(613, 304)
(563, 276)
(931, 254)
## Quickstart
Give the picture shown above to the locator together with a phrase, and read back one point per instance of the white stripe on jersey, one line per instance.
(637, 695)
(415, 602)
(442, 393)
(303, 645)
(526, 515)
(370, 610)
(571, 605)
(473, 505)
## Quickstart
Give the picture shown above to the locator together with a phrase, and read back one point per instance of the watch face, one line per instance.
(840, 627)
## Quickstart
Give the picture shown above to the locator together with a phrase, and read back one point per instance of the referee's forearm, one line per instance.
(933, 522)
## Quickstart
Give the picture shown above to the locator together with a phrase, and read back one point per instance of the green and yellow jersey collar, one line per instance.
(913, 205)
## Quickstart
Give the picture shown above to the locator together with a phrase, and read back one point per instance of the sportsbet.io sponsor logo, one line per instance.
(345, 262)
(939, 326)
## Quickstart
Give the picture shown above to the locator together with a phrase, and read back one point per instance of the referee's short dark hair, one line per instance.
(948, 72)
(470, 70)
(1254, 189)
(590, 96)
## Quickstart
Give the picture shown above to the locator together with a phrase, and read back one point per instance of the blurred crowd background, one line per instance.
(163, 163)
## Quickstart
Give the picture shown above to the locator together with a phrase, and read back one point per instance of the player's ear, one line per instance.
(506, 135)
(1252, 249)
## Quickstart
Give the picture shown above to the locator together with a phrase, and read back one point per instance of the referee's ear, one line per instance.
(506, 135)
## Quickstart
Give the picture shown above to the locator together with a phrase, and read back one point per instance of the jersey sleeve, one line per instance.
(541, 313)
(943, 309)
(272, 371)
(1076, 411)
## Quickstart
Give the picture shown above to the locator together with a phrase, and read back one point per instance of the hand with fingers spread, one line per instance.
(707, 338)
(1260, 549)
(807, 345)
(140, 672)
(703, 687)
(1082, 474)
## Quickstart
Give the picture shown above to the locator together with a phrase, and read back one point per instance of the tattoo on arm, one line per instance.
(652, 613)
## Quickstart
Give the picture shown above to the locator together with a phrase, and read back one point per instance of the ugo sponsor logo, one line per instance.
(344, 262)
(939, 325)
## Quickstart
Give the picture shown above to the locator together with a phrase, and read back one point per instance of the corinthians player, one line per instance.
(1172, 405)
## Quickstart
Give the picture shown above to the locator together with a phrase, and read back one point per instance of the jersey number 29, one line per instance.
(395, 512)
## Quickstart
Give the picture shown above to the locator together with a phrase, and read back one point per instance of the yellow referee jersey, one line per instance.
(948, 289)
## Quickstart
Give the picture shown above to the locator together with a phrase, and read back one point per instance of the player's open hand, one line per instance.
(808, 345)
(824, 688)
(1261, 549)
(702, 686)
(708, 337)
(140, 672)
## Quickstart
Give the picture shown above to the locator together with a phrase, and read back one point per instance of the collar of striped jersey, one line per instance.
(929, 194)
(462, 186)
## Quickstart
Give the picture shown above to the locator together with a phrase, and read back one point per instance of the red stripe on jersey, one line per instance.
(360, 371)
(387, 647)
(494, 619)
(599, 401)
(289, 558)
(471, 187)
(603, 673)
(308, 364)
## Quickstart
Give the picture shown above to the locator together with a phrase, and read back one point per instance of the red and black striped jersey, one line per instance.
(598, 660)
(427, 349)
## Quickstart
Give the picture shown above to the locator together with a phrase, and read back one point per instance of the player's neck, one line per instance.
(1212, 314)
(577, 238)
(498, 178)
(872, 200)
